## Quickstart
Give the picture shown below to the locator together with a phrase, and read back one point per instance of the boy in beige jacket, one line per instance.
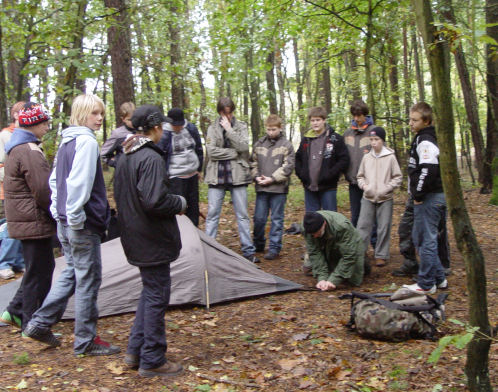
(379, 174)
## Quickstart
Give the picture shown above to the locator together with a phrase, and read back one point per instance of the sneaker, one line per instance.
(405, 270)
(11, 319)
(168, 369)
(41, 335)
(7, 274)
(100, 347)
(443, 285)
(132, 361)
(380, 262)
(415, 288)
(270, 256)
(252, 258)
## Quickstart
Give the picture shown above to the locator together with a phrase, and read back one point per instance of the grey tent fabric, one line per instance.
(206, 272)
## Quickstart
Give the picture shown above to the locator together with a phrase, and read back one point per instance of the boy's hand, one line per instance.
(265, 180)
(225, 123)
(325, 285)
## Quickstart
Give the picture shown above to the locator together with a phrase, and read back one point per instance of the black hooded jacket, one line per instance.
(146, 208)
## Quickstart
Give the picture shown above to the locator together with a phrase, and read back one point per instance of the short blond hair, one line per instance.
(83, 105)
(126, 109)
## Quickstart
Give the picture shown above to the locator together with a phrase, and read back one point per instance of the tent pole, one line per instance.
(207, 288)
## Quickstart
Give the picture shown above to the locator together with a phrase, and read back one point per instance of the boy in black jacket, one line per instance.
(426, 189)
(320, 160)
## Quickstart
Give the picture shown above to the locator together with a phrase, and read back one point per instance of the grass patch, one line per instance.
(22, 358)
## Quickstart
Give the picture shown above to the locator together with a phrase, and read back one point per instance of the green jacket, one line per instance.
(238, 154)
(339, 254)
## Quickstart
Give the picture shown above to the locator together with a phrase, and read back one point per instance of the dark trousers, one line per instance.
(189, 189)
(37, 279)
(406, 246)
(148, 335)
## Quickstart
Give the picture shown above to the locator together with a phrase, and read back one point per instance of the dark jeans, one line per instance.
(37, 279)
(355, 196)
(406, 246)
(426, 219)
(148, 335)
(265, 202)
(320, 200)
(189, 189)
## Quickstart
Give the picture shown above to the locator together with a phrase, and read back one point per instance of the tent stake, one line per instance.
(207, 288)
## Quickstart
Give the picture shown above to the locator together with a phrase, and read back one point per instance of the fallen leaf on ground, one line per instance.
(288, 364)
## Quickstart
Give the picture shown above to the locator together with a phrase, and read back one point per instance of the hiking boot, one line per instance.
(307, 271)
(415, 288)
(270, 255)
(252, 258)
(101, 347)
(7, 274)
(405, 270)
(132, 361)
(443, 285)
(41, 335)
(380, 262)
(168, 369)
(11, 319)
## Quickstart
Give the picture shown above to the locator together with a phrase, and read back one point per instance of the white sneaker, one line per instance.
(7, 274)
(443, 285)
(415, 288)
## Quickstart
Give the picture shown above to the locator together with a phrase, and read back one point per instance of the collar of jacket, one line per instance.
(135, 142)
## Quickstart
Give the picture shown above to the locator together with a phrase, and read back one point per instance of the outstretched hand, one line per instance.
(325, 285)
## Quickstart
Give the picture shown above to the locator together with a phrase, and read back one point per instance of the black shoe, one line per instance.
(260, 249)
(41, 335)
(252, 258)
(270, 256)
(100, 347)
(405, 270)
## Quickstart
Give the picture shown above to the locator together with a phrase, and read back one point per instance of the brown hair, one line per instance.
(317, 111)
(225, 102)
(425, 111)
(15, 109)
(273, 121)
(358, 107)
(126, 108)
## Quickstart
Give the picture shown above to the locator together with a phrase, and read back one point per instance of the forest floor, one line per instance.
(287, 342)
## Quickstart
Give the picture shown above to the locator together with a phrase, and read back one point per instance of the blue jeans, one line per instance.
(425, 230)
(11, 256)
(239, 199)
(81, 277)
(265, 202)
(148, 335)
(320, 200)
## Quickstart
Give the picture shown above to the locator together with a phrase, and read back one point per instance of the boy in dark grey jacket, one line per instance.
(272, 163)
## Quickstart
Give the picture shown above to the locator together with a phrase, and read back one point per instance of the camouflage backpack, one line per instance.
(384, 319)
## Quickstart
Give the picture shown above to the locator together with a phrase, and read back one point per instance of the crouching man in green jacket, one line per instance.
(335, 249)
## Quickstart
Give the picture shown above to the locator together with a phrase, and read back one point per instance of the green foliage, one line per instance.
(459, 341)
(22, 358)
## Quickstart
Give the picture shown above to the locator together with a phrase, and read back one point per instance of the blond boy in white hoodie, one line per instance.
(379, 174)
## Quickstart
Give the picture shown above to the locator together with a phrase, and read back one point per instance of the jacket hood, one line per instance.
(368, 122)
(311, 132)
(167, 126)
(384, 152)
(73, 131)
(430, 130)
(133, 143)
(20, 136)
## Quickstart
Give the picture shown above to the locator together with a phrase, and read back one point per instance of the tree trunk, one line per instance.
(469, 95)
(270, 83)
(203, 119)
(299, 88)
(175, 58)
(280, 82)
(407, 100)
(367, 57)
(492, 96)
(253, 96)
(352, 76)
(4, 107)
(118, 37)
(418, 67)
(476, 367)
(324, 78)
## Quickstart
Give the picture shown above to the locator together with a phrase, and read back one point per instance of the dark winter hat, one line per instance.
(147, 117)
(32, 114)
(379, 132)
(177, 116)
(312, 222)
